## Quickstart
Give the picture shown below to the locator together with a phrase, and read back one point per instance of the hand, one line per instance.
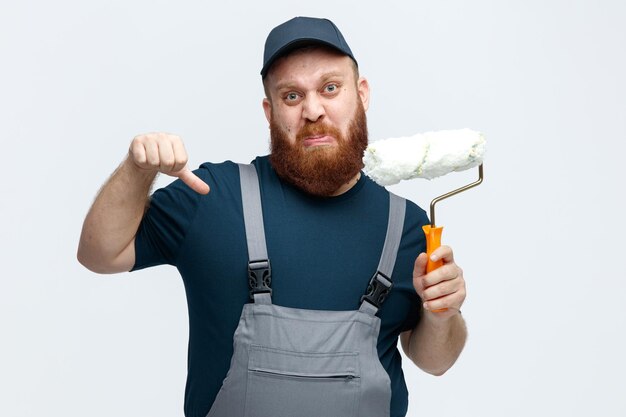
(443, 288)
(164, 152)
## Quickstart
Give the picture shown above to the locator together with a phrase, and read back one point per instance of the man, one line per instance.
(324, 228)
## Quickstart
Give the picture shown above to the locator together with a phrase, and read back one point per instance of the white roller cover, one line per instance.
(425, 155)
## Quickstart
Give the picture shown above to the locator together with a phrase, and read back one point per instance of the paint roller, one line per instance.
(426, 155)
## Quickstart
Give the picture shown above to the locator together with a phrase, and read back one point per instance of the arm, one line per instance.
(439, 337)
(108, 235)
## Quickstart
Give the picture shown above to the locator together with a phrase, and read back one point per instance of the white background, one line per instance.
(541, 241)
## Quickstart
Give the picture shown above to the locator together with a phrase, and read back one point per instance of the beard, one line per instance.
(319, 170)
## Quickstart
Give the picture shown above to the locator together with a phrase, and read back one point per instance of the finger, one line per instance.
(152, 154)
(193, 181)
(446, 272)
(180, 155)
(138, 153)
(441, 289)
(452, 302)
(166, 157)
(443, 252)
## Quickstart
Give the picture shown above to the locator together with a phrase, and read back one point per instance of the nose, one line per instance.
(313, 109)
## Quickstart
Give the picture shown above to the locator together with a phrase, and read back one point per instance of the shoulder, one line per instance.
(415, 215)
(264, 167)
(229, 170)
(218, 172)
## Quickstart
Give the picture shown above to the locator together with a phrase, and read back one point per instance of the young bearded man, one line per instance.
(294, 310)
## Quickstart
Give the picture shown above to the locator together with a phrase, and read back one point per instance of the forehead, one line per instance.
(309, 64)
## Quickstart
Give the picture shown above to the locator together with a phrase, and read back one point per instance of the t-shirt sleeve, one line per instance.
(164, 225)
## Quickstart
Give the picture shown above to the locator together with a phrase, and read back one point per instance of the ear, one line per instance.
(267, 108)
(363, 88)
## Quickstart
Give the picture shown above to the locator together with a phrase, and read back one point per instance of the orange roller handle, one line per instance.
(433, 241)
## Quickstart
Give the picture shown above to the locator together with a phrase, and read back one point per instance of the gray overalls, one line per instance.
(290, 362)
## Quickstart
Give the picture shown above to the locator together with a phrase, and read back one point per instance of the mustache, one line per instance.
(317, 128)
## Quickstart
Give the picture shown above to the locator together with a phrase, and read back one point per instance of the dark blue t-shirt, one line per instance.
(323, 253)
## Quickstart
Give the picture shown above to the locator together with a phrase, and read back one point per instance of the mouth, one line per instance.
(318, 140)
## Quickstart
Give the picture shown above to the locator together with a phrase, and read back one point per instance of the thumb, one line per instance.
(419, 269)
(193, 181)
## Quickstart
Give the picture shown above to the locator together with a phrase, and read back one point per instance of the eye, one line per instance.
(291, 96)
(331, 88)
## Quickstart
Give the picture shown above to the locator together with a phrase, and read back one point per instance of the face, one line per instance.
(316, 109)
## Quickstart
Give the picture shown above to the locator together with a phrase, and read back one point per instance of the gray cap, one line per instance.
(302, 31)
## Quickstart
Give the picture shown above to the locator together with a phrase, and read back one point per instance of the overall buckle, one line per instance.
(259, 277)
(377, 289)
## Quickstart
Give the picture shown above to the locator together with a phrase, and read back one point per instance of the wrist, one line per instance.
(442, 318)
(135, 171)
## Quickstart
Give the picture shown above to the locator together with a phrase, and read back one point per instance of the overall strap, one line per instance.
(380, 284)
(259, 271)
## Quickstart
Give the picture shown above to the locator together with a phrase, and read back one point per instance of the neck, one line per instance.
(347, 186)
